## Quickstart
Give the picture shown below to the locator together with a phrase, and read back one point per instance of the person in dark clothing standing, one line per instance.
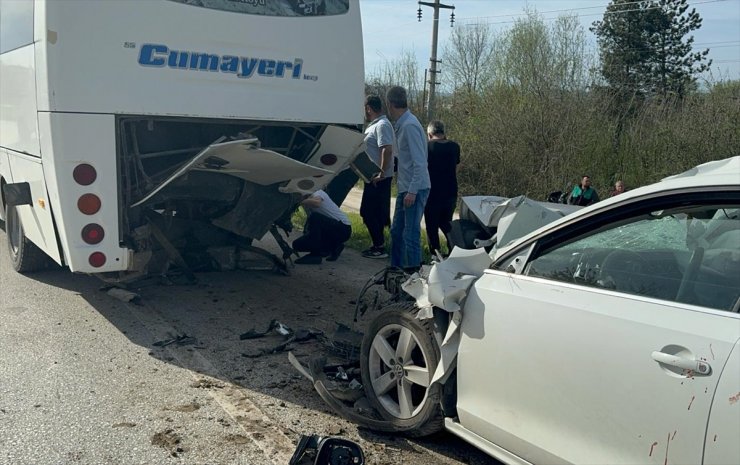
(443, 158)
(583, 194)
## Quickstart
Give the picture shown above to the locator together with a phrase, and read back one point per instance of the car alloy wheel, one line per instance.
(399, 371)
(398, 359)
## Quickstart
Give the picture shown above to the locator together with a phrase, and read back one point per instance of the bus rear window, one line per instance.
(275, 7)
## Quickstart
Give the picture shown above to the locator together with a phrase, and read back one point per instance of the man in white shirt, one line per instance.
(376, 195)
(327, 229)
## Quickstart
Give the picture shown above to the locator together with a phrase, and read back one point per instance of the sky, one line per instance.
(390, 27)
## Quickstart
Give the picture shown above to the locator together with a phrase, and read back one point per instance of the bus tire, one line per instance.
(25, 256)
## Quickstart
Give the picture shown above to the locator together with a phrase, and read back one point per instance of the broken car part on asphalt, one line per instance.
(181, 340)
(348, 402)
(124, 296)
(301, 335)
(317, 450)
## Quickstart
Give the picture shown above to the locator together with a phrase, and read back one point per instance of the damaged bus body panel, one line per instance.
(170, 127)
(232, 188)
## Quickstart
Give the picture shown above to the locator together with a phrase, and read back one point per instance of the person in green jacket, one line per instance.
(583, 194)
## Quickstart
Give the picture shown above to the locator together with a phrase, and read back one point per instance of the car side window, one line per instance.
(690, 254)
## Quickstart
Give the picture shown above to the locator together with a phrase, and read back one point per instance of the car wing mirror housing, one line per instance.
(317, 450)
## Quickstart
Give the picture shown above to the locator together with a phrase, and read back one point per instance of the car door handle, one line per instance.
(698, 367)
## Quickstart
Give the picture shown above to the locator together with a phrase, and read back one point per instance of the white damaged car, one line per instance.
(609, 336)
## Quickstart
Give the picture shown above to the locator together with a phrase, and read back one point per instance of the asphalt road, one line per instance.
(82, 381)
(78, 385)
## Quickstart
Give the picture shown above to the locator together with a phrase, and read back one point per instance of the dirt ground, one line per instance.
(267, 400)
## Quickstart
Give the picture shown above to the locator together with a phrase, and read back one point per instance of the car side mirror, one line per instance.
(317, 450)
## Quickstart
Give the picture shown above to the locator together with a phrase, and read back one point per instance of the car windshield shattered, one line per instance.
(652, 254)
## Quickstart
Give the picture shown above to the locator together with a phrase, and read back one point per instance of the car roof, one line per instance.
(714, 173)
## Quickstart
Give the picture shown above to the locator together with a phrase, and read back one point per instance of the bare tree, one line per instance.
(467, 57)
(403, 71)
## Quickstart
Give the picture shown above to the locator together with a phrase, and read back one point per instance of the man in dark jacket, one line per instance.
(443, 158)
(583, 194)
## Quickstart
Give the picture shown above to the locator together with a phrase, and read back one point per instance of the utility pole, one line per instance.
(433, 61)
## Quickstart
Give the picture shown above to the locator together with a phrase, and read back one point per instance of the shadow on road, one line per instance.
(223, 305)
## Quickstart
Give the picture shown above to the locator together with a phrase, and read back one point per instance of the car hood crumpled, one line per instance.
(446, 284)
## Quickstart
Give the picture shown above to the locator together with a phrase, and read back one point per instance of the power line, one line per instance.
(545, 12)
(617, 12)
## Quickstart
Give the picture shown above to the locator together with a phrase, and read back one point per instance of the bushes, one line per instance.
(515, 143)
(536, 117)
(544, 120)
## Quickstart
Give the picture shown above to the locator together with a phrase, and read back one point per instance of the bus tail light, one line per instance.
(93, 233)
(89, 204)
(84, 174)
(97, 259)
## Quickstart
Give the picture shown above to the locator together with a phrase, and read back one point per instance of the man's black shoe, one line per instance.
(375, 252)
(309, 259)
(335, 253)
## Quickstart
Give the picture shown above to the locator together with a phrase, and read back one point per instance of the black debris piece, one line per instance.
(301, 335)
(345, 343)
(317, 450)
(274, 325)
(182, 340)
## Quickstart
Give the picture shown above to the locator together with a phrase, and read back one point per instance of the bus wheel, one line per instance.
(24, 255)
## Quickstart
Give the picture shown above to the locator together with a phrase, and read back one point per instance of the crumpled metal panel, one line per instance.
(257, 209)
(446, 286)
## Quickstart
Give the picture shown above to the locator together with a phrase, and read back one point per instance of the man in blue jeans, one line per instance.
(412, 181)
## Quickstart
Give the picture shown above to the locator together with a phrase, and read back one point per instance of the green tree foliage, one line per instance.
(539, 120)
(646, 48)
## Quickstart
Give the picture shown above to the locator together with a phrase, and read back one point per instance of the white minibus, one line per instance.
(134, 129)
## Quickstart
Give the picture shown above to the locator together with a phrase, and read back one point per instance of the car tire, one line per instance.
(399, 356)
(25, 256)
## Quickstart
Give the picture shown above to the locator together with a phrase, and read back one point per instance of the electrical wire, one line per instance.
(606, 13)
(544, 12)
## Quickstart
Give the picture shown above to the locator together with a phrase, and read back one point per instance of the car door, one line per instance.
(607, 347)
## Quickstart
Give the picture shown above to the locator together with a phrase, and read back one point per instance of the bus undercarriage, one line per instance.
(194, 194)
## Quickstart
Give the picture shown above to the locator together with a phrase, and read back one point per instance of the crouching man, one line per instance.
(327, 229)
